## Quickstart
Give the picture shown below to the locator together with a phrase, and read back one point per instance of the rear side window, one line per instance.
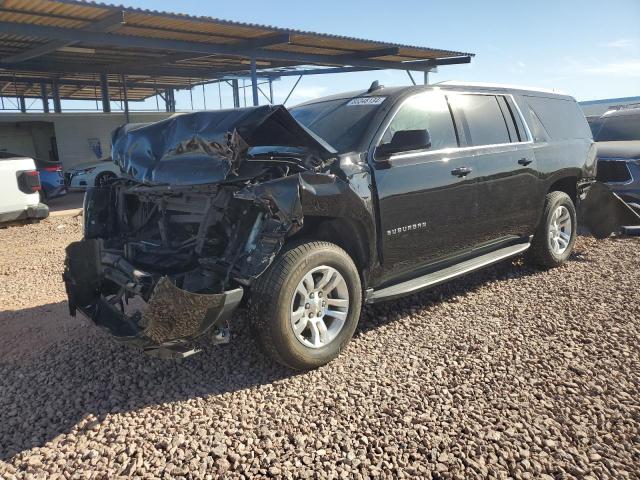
(425, 111)
(482, 119)
(562, 119)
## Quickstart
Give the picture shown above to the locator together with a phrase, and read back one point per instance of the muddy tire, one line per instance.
(554, 239)
(306, 306)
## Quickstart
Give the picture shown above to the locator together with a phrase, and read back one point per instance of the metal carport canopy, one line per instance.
(82, 50)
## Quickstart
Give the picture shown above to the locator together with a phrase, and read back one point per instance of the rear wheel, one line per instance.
(554, 239)
(306, 306)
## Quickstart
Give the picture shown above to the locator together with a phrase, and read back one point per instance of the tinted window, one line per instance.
(425, 111)
(482, 119)
(562, 119)
(342, 123)
(623, 127)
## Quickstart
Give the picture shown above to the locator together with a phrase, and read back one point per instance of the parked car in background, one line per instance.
(91, 174)
(51, 179)
(617, 136)
(306, 214)
(20, 189)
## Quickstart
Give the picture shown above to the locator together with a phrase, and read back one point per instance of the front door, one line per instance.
(427, 197)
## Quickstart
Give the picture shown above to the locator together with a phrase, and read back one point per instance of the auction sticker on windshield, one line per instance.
(366, 101)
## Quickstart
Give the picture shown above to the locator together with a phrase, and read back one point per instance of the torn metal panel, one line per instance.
(212, 146)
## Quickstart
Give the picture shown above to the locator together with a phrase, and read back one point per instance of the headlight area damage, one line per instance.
(206, 203)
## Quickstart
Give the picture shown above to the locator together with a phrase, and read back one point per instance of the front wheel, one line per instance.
(554, 239)
(306, 306)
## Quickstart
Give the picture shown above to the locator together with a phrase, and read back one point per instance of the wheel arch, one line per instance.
(340, 231)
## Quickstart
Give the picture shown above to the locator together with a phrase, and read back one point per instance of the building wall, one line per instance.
(75, 132)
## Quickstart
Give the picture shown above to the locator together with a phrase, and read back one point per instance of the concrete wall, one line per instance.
(74, 131)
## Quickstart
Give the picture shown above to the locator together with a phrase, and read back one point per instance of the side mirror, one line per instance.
(405, 141)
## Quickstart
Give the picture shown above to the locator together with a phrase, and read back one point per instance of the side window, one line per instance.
(537, 129)
(482, 119)
(425, 111)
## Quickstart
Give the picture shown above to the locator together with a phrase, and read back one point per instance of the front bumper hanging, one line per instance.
(170, 322)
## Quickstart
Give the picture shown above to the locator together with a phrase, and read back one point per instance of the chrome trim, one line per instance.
(491, 258)
(453, 149)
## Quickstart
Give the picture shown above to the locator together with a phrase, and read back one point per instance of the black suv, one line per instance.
(303, 215)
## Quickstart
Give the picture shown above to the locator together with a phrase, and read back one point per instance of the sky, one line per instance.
(586, 48)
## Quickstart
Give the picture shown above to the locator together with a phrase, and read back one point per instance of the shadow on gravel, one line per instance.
(87, 373)
(380, 314)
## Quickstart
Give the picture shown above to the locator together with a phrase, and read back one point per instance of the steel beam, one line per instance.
(44, 96)
(130, 41)
(99, 26)
(104, 93)
(23, 104)
(55, 93)
(89, 83)
(380, 52)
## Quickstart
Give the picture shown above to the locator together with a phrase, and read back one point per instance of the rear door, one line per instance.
(507, 177)
(427, 202)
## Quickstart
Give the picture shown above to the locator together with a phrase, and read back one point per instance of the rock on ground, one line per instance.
(510, 372)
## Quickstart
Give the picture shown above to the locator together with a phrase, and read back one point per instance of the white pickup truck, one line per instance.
(20, 190)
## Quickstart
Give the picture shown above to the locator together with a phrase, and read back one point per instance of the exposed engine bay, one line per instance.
(206, 203)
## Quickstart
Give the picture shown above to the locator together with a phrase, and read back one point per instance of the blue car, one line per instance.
(51, 179)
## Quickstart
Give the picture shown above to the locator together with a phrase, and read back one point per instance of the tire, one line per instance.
(276, 301)
(544, 252)
(103, 178)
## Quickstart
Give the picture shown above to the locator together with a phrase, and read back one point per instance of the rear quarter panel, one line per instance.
(562, 141)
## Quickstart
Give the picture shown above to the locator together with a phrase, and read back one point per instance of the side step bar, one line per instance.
(431, 279)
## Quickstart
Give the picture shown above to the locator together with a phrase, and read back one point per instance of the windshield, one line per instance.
(342, 122)
(624, 127)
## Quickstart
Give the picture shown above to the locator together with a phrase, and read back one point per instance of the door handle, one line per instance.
(524, 161)
(461, 172)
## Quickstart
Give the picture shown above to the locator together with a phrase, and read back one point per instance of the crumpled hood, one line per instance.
(626, 149)
(208, 147)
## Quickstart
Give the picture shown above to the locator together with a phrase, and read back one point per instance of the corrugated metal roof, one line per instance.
(169, 48)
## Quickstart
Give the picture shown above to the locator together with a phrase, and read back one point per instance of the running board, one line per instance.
(421, 283)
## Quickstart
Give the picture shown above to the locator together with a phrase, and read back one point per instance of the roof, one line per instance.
(75, 41)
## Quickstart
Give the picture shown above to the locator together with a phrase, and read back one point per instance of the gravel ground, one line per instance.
(505, 373)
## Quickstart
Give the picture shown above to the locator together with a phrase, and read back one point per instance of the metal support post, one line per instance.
(123, 79)
(254, 82)
(44, 96)
(236, 93)
(104, 93)
(23, 105)
(55, 93)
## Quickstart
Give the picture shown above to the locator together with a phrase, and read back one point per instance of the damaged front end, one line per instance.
(205, 203)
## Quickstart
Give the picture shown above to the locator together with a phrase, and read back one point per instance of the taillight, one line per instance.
(29, 181)
(53, 169)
